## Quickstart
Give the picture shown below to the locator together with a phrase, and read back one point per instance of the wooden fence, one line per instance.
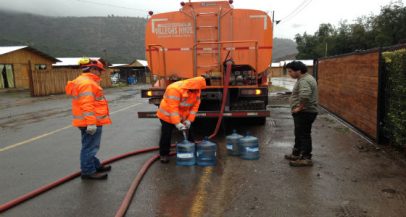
(48, 82)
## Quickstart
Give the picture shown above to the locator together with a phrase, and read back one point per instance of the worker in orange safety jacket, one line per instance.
(90, 112)
(178, 109)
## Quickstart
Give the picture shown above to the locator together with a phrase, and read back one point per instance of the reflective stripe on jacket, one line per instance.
(89, 106)
(178, 103)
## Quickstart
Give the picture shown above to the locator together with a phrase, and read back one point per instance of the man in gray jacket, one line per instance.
(303, 103)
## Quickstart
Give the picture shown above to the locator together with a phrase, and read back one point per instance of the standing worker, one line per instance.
(303, 103)
(178, 109)
(90, 112)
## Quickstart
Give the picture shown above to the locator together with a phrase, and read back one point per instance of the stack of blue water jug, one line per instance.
(247, 147)
(202, 154)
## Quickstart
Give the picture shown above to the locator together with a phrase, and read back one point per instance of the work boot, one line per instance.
(164, 159)
(95, 176)
(292, 157)
(301, 162)
(102, 169)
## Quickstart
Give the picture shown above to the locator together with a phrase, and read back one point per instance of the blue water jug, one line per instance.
(206, 153)
(185, 153)
(249, 147)
(232, 143)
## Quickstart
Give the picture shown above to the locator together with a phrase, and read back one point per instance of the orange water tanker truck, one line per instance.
(232, 47)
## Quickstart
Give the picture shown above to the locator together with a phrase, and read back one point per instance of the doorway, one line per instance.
(6, 76)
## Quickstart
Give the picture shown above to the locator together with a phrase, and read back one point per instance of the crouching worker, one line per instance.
(90, 112)
(178, 109)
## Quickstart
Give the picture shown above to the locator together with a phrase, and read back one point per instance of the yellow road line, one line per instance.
(33, 139)
(55, 131)
(125, 108)
(200, 198)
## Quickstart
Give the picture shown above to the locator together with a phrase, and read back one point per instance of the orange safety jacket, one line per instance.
(178, 103)
(89, 106)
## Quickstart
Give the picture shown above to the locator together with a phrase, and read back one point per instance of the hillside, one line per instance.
(282, 48)
(118, 39)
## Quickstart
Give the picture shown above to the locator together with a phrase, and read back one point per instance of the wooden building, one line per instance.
(278, 69)
(15, 65)
(137, 69)
(73, 62)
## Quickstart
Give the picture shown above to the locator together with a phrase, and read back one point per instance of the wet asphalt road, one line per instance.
(351, 178)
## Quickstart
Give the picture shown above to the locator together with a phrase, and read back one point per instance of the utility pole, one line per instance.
(325, 51)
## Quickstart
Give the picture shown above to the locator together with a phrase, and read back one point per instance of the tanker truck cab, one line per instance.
(200, 39)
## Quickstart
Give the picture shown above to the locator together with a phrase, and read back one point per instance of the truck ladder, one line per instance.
(208, 49)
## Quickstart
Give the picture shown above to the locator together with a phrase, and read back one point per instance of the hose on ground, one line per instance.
(45, 188)
(130, 194)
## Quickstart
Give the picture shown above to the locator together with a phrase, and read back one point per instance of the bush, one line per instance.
(395, 97)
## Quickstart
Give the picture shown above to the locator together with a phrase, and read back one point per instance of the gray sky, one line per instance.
(306, 16)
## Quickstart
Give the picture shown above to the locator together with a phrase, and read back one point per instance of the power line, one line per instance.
(111, 5)
(295, 12)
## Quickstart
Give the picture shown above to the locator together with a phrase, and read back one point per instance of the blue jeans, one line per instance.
(90, 145)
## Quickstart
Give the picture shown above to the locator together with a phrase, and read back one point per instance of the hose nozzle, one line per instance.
(184, 134)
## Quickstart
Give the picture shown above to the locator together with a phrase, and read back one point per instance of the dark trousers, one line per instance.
(166, 137)
(303, 130)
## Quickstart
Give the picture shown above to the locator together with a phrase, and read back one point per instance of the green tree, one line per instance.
(387, 28)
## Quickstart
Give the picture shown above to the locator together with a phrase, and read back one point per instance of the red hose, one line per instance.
(130, 194)
(48, 187)
(224, 99)
(125, 204)
(36, 192)
(134, 185)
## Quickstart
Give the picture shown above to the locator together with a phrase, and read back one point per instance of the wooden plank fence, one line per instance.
(48, 82)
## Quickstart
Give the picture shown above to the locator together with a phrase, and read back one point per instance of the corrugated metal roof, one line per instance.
(283, 63)
(143, 62)
(118, 65)
(8, 49)
(139, 63)
(135, 63)
(70, 61)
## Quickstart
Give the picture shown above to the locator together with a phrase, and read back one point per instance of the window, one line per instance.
(40, 66)
(6, 76)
